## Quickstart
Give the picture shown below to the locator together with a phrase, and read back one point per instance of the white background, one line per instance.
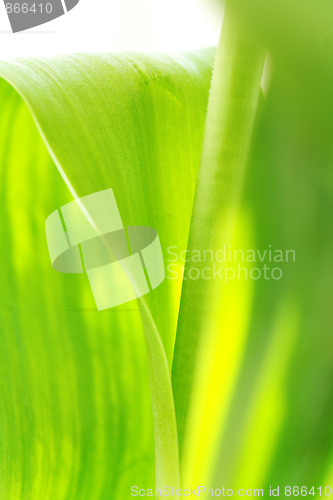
(106, 25)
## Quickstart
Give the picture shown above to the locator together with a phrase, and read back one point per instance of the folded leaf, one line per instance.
(75, 411)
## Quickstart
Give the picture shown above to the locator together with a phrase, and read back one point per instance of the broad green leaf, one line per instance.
(138, 143)
(76, 418)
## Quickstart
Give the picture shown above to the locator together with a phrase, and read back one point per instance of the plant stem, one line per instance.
(229, 127)
(164, 418)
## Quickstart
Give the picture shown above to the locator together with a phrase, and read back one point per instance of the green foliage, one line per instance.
(75, 407)
(252, 360)
(229, 128)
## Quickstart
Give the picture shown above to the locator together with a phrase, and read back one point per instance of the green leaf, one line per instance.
(230, 121)
(75, 409)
